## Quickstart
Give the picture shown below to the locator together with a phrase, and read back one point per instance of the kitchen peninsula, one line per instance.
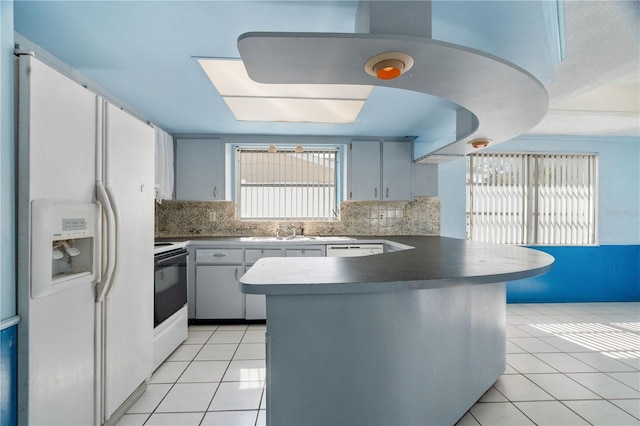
(408, 337)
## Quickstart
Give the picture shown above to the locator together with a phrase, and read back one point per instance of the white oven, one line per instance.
(170, 317)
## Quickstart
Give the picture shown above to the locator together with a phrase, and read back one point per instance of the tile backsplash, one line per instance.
(219, 219)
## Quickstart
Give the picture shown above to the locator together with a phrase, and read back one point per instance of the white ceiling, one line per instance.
(144, 53)
(596, 89)
(612, 109)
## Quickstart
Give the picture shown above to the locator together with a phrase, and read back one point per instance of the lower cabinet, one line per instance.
(255, 305)
(217, 271)
(218, 294)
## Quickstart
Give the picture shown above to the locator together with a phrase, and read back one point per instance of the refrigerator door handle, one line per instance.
(103, 286)
(113, 237)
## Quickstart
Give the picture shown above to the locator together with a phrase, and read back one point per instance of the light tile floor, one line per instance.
(567, 364)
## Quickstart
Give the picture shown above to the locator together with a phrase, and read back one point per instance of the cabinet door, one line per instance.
(255, 305)
(199, 169)
(397, 171)
(218, 294)
(219, 255)
(252, 255)
(363, 171)
(315, 251)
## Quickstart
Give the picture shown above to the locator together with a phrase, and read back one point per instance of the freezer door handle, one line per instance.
(103, 285)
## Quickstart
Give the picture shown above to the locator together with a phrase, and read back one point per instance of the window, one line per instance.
(531, 198)
(287, 183)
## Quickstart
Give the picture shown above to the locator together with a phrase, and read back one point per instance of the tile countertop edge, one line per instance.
(434, 262)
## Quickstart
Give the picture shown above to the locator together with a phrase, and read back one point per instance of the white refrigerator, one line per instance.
(85, 250)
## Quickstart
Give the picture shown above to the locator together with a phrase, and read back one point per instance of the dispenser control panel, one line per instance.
(74, 225)
(63, 245)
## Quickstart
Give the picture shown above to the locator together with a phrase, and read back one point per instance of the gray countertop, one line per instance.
(433, 262)
(266, 240)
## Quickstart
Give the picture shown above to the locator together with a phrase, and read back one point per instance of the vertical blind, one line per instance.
(286, 184)
(532, 198)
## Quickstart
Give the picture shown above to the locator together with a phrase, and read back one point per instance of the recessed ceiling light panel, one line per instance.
(338, 111)
(312, 103)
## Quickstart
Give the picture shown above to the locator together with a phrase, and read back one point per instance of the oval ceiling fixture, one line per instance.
(388, 65)
(480, 143)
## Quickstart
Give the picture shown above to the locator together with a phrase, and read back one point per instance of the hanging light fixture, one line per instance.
(389, 65)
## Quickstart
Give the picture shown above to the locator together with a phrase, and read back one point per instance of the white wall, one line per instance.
(452, 194)
(7, 170)
(618, 183)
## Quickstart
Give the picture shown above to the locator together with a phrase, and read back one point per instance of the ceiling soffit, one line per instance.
(498, 100)
(505, 99)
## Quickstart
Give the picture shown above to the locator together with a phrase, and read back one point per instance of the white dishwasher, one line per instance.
(353, 250)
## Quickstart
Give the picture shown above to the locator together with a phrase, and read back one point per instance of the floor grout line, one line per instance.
(539, 349)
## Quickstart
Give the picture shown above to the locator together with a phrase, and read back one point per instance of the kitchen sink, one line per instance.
(270, 239)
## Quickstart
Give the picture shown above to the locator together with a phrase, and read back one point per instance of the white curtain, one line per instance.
(164, 165)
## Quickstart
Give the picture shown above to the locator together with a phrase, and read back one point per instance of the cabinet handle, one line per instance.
(375, 192)
(236, 273)
(219, 255)
(387, 192)
(215, 192)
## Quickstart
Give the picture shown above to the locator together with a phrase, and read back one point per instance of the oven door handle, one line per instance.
(168, 259)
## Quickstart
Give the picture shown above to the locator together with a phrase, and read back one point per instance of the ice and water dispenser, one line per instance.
(63, 245)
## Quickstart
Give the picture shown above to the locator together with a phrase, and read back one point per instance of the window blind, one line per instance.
(287, 184)
(532, 198)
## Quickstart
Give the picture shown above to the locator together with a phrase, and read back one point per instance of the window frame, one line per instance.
(290, 148)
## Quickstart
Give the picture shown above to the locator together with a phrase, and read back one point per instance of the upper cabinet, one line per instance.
(364, 174)
(200, 169)
(397, 171)
(380, 171)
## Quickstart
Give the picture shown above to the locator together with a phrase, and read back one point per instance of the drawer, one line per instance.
(219, 255)
(252, 255)
(304, 252)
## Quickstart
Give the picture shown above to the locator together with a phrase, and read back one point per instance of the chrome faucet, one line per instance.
(291, 230)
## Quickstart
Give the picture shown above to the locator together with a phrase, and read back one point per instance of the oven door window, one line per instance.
(170, 286)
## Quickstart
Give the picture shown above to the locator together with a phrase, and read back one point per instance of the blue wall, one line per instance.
(608, 273)
(603, 273)
(7, 375)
